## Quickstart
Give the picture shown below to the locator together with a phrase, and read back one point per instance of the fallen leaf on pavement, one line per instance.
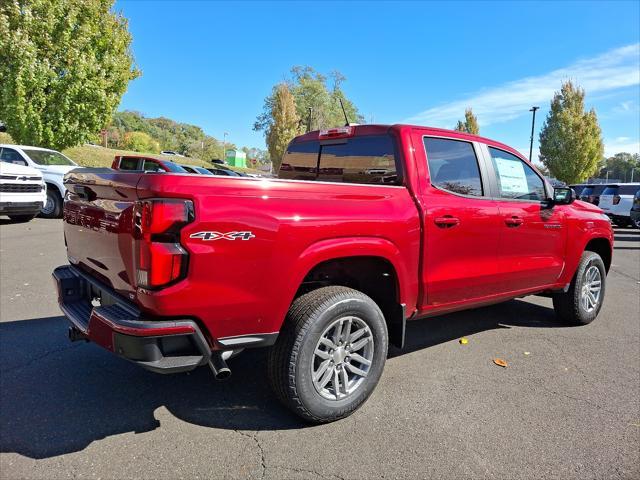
(500, 362)
(463, 341)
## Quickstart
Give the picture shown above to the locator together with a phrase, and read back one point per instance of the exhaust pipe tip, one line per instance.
(223, 374)
(219, 367)
(76, 335)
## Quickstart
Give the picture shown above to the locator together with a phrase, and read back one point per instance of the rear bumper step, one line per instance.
(116, 325)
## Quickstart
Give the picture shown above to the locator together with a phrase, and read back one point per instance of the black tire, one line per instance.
(53, 206)
(568, 305)
(22, 218)
(290, 360)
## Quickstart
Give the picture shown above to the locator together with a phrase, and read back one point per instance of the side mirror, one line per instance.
(561, 196)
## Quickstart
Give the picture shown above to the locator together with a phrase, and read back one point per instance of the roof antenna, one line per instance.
(346, 119)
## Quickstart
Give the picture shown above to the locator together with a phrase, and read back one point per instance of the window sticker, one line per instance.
(512, 176)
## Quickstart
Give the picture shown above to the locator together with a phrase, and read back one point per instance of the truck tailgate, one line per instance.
(98, 225)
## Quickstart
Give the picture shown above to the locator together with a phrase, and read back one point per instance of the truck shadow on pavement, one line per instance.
(57, 397)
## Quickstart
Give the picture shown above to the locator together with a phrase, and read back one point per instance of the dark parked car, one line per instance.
(591, 193)
(224, 172)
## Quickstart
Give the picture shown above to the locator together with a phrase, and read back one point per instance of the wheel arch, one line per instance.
(369, 264)
(55, 186)
(602, 247)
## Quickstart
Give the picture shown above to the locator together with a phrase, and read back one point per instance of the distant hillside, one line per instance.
(94, 156)
(162, 134)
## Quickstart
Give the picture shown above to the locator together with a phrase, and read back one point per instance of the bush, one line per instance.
(140, 142)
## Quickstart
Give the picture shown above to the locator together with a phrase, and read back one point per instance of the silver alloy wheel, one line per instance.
(591, 289)
(342, 358)
(48, 206)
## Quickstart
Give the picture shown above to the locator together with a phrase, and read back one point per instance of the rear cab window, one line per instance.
(365, 159)
(610, 190)
(129, 163)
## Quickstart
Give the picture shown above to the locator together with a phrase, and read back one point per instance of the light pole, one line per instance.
(533, 124)
(224, 146)
(632, 170)
(607, 177)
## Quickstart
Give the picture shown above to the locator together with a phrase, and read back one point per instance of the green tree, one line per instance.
(140, 142)
(284, 124)
(312, 93)
(571, 141)
(620, 166)
(64, 66)
(470, 124)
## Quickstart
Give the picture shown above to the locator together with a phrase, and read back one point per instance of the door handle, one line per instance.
(513, 221)
(447, 221)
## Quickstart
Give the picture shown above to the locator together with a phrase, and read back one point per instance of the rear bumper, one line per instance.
(99, 315)
(20, 208)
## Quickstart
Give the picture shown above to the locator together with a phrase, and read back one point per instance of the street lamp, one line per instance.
(224, 146)
(533, 123)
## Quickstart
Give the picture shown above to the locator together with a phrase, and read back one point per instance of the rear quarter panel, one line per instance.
(238, 287)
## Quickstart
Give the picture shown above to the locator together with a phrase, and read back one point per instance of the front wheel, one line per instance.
(582, 302)
(330, 354)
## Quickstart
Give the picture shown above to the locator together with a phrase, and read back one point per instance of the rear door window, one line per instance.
(516, 180)
(453, 166)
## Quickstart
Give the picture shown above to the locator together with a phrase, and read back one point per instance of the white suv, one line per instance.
(53, 166)
(22, 192)
(616, 200)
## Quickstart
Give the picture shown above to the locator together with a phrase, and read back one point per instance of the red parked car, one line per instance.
(143, 163)
(366, 228)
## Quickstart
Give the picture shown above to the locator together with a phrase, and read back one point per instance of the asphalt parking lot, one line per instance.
(568, 409)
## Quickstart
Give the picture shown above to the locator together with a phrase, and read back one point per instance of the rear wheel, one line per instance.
(582, 302)
(330, 354)
(53, 206)
(22, 218)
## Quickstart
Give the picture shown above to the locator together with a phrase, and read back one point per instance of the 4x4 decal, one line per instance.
(223, 236)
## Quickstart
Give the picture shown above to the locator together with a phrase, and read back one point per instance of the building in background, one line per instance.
(236, 158)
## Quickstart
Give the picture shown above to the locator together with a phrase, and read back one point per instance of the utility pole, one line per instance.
(533, 125)
(632, 170)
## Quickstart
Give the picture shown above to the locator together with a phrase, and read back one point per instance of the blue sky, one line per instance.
(212, 63)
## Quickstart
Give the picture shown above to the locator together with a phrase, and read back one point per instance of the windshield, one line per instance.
(174, 167)
(47, 157)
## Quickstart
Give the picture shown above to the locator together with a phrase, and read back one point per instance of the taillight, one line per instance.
(616, 199)
(160, 259)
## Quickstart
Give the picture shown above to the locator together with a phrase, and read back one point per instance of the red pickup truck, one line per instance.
(365, 228)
